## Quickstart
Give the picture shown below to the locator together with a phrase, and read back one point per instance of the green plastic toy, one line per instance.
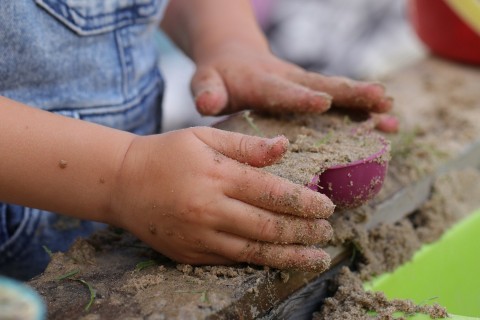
(446, 272)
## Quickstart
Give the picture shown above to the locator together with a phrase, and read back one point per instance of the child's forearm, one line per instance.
(57, 163)
(200, 26)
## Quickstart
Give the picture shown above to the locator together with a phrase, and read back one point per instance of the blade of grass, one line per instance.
(204, 297)
(145, 264)
(68, 274)
(249, 119)
(48, 251)
(93, 293)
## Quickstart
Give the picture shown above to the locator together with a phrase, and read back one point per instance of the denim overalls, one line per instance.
(94, 60)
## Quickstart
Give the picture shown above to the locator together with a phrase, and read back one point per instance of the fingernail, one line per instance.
(319, 262)
(202, 92)
(322, 264)
(326, 100)
(276, 149)
(324, 207)
(386, 104)
(381, 85)
(328, 233)
(273, 141)
(205, 101)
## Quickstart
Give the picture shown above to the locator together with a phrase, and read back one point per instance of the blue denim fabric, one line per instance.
(94, 60)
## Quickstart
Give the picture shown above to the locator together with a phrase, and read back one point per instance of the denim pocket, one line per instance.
(17, 227)
(90, 17)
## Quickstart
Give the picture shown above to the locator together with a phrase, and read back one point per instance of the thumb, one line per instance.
(251, 150)
(209, 91)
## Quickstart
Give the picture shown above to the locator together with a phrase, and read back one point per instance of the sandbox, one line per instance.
(432, 182)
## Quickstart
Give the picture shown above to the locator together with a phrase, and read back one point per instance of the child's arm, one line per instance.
(56, 163)
(236, 70)
(187, 193)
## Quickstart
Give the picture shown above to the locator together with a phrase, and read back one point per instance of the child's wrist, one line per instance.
(110, 211)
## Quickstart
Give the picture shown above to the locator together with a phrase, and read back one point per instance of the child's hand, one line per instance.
(235, 77)
(191, 195)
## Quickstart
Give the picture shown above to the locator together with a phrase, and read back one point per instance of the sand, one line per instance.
(438, 107)
(439, 119)
(386, 247)
(317, 142)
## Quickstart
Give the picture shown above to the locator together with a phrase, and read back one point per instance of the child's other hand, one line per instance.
(196, 196)
(235, 77)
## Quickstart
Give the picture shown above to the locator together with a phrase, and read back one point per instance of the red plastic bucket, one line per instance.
(450, 28)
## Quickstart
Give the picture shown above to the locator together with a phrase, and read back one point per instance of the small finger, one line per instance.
(274, 255)
(254, 223)
(191, 248)
(264, 190)
(347, 93)
(275, 94)
(209, 91)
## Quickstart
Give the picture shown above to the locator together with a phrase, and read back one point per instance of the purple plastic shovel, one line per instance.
(351, 185)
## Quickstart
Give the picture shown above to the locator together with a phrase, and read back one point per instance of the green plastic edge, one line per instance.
(450, 261)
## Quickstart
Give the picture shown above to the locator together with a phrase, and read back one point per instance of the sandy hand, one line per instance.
(196, 196)
(236, 78)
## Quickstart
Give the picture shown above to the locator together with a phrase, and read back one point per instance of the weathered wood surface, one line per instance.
(421, 92)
